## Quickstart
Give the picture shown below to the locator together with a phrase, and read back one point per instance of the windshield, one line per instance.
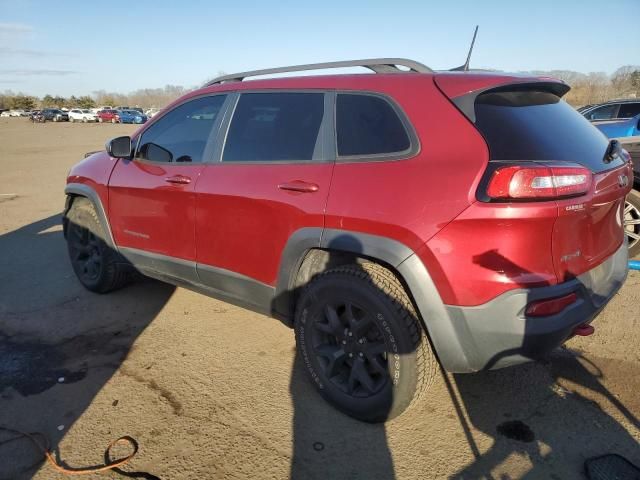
(525, 124)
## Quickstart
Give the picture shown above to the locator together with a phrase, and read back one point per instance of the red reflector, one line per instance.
(551, 306)
(584, 330)
(519, 182)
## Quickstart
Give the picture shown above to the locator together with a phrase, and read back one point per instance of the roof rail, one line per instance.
(377, 65)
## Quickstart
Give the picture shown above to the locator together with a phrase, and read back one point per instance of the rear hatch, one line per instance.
(528, 126)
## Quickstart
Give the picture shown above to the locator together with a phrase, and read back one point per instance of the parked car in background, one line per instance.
(37, 116)
(16, 113)
(152, 112)
(618, 128)
(5, 114)
(99, 109)
(82, 115)
(627, 132)
(55, 115)
(137, 109)
(108, 115)
(131, 116)
(344, 206)
(614, 109)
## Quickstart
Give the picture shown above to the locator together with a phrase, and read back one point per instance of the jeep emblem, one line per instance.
(623, 180)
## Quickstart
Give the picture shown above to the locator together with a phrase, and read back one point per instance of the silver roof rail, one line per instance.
(377, 65)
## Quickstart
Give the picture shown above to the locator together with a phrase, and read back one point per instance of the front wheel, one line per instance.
(98, 267)
(632, 222)
(361, 342)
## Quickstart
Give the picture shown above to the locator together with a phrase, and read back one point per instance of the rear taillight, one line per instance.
(538, 182)
(550, 306)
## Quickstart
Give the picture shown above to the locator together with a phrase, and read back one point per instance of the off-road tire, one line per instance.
(411, 365)
(85, 238)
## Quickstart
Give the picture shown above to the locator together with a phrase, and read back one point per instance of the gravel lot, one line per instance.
(209, 390)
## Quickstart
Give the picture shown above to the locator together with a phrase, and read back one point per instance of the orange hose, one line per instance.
(46, 451)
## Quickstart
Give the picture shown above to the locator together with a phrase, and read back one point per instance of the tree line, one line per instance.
(144, 98)
(586, 89)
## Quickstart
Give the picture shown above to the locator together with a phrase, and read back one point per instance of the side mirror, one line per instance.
(119, 147)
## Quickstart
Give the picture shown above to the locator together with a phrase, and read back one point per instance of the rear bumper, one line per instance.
(498, 334)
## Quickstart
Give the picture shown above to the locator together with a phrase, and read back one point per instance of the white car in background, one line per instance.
(82, 115)
(5, 114)
(99, 109)
(16, 113)
(152, 112)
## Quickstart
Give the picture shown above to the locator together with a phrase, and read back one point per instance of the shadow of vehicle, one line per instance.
(541, 412)
(59, 344)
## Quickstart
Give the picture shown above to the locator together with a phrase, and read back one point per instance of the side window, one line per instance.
(603, 113)
(182, 134)
(274, 127)
(368, 125)
(628, 110)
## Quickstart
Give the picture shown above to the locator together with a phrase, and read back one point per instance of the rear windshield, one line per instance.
(537, 125)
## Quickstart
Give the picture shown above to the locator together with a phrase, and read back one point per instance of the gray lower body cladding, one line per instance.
(498, 334)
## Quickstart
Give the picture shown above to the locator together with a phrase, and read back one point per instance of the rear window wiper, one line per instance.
(613, 151)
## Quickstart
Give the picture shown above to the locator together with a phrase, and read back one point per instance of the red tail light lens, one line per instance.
(543, 308)
(519, 182)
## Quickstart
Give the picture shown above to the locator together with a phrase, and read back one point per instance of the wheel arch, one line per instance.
(311, 251)
(80, 190)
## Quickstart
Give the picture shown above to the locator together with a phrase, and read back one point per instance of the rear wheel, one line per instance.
(361, 342)
(98, 267)
(632, 222)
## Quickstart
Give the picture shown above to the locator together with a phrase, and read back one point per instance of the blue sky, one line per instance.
(76, 47)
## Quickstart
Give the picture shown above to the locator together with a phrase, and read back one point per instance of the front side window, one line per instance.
(628, 110)
(181, 135)
(268, 127)
(368, 125)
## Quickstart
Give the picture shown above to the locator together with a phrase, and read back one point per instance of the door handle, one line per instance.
(178, 180)
(299, 186)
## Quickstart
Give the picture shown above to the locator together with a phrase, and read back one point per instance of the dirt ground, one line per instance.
(209, 390)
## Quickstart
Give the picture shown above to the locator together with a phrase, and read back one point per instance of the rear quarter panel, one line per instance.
(410, 200)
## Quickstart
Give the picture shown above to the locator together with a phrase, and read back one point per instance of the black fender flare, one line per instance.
(82, 190)
(447, 339)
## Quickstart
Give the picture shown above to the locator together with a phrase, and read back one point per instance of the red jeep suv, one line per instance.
(395, 220)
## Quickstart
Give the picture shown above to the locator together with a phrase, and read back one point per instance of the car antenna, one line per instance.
(465, 67)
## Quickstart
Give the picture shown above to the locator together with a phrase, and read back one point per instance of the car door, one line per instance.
(152, 198)
(272, 179)
(629, 110)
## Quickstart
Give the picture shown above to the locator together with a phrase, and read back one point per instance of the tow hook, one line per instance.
(584, 330)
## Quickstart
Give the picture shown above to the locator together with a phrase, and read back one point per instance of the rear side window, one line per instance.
(536, 125)
(181, 135)
(270, 127)
(368, 125)
(628, 110)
